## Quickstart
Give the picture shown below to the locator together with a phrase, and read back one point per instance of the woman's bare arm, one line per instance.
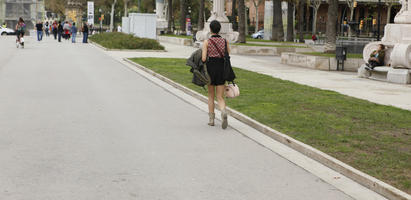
(204, 56)
(228, 48)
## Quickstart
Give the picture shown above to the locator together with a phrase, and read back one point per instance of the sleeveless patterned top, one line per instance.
(219, 43)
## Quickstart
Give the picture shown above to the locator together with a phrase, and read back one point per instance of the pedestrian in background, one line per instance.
(85, 32)
(66, 28)
(59, 31)
(54, 29)
(39, 28)
(73, 33)
(47, 28)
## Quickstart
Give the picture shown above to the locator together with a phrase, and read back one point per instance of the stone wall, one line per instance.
(175, 40)
(320, 62)
(265, 50)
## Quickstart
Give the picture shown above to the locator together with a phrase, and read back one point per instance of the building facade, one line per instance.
(30, 10)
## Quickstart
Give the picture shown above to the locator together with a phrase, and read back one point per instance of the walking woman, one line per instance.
(20, 30)
(213, 55)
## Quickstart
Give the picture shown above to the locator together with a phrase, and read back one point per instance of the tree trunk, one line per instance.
(307, 18)
(170, 15)
(183, 16)
(331, 32)
(113, 5)
(125, 8)
(242, 22)
(278, 29)
(301, 21)
(256, 19)
(201, 16)
(246, 22)
(351, 31)
(389, 13)
(290, 21)
(234, 15)
(315, 21)
(140, 10)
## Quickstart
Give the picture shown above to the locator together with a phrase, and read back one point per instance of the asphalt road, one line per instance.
(76, 124)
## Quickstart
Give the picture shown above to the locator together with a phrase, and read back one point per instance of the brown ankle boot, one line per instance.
(211, 119)
(224, 119)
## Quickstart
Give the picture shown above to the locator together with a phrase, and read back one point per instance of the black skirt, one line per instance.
(215, 68)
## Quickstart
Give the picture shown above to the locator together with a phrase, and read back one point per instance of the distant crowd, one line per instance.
(65, 30)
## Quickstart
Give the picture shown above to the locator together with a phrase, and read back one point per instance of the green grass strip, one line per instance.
(117, 40)
(178, 36)
(373, 138)
(331, 55)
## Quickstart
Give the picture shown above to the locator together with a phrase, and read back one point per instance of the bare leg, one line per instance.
(211, 96)
(211, 114)
(220, 96)
(221, 104)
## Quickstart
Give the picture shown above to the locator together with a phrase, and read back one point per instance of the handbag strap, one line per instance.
(218, 50)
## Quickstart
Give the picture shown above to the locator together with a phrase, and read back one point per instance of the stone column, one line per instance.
(160, 8)
(161, 20)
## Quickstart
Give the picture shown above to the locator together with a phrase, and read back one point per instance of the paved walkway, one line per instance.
(343, 82)
(77, 124)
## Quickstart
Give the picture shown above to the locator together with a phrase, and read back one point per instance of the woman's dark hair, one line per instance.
(382, 46)
(21, 20)
(215, 26)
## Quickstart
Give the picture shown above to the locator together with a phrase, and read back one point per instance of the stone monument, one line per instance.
(397, 39)
(218, 13)
(162, 24)
(74, 11)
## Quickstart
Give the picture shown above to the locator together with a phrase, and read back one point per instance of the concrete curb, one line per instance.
(125, 50)
(366, 180)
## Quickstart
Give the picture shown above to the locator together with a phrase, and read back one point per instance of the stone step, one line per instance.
(386, 74)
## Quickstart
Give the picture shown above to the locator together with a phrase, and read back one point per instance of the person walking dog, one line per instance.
(213, 54)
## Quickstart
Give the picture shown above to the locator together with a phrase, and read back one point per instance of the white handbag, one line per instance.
(232, 90)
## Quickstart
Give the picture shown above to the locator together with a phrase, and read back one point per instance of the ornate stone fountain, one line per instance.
(397, 39)
(218, 13)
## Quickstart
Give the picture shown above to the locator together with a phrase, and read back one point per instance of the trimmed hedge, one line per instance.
(117, 40)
